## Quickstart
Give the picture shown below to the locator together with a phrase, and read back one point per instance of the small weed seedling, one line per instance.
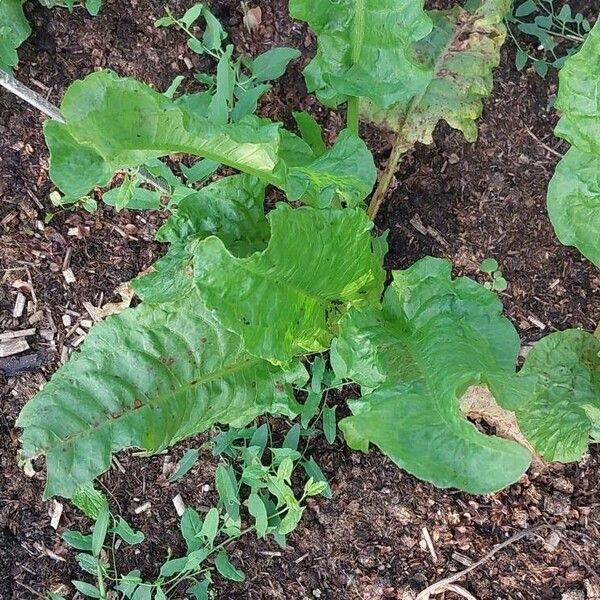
(253, 484)
(558, 33)
(490, 267)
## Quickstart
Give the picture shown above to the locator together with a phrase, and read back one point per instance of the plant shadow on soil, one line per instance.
(461, 201)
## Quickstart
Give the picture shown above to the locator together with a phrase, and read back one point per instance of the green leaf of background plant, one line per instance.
(574, 191)
(434, 338)
(191, 527)
(187, 462)
(574, 202)
(127, 533)
(280, 301)
(147, 378)
(365, 48)
(226, 569)
(461, 52)
(87, 589)
(256, 508)
(14, 30)
(271, 65)
(558, 421)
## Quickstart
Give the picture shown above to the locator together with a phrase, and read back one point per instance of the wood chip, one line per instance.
(69, 276)
(143, 508)
(179, 505)
(55, 514)
(19, 306)
(13, 347)
(67, 321)
(12, 335)
(533, 319)
(429, 543)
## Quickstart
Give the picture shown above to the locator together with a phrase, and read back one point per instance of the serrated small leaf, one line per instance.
(329, 423)
(228, 493)
(526, 8)
(521, 59)
(210, 526)
(187, 462)
(77, 540)
(310, 408)
(285, 469)
(100, 531)
(271, 65)
(312, 469)
(87, 589)
(311, 132)
(191, 529)
(540, 67)
(88, 563)
(192, 14)
(489, 265)
(226, 569)
(199, 591)
(314, 488)
(257, 509)
(127, 534)
(292, 438)
(173, 567)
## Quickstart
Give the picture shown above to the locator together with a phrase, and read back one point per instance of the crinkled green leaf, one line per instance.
(282, 301)
(366, 48)
(114, 123)
(346, 173)
(14, 30)
(146, 378)
(231, 208)
(461, 51)
(574, 191)
(433, 339)
(574, 202)
(564, 413)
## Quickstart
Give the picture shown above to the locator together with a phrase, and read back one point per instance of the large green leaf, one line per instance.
(366, 48)
(114, 123)
(14, 30)
(461, 53)
(578, 96)
(564, 413)
(574, 202)
(147, 378)
(282, 301)
(574, 191)
(434, 338)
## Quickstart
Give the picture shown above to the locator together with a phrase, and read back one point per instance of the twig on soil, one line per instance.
(444, 584)
(543, 144)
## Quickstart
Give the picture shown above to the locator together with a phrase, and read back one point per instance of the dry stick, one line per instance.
(543, 144)
(36, 100)
(443, 584)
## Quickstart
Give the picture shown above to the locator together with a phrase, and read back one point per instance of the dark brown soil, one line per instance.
(472, 201)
